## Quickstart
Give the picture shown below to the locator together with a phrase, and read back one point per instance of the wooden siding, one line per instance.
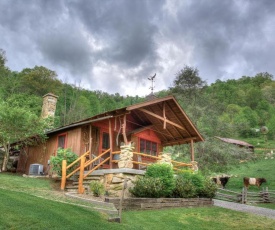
(40, 154)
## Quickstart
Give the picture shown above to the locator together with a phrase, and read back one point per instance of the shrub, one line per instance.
(148, 187)
(209, 189)
(97, 188)
(188, 184)
(184, 188)
(164, 172)
(63, 154)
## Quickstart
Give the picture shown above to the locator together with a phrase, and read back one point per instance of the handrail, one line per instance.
(84, 165)
(180, 163)
(77, 169)
(147, 155)
(80, 159)
(175, 163)
(96, 167)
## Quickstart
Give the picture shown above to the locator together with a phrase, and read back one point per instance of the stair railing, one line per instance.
(65, 168)
(82, 166)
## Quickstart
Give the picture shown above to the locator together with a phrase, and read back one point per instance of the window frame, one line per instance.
(148, 147)
(65, 140)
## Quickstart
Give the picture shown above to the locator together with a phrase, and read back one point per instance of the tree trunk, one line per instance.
(6, 157)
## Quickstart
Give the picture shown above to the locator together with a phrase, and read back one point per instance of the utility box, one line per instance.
(36, 169)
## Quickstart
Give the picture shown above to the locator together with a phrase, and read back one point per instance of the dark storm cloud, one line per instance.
(115, 45)
(224, 33)
(125, 26)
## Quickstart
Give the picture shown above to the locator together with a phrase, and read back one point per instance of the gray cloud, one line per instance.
(114, 46)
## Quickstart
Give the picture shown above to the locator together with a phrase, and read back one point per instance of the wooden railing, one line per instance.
(82, 165)
(244, 197)
(176, 164)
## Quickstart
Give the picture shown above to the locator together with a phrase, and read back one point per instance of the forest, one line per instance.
(234, 108)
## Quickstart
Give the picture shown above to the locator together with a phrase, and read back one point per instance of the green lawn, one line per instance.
(260, 168)
(28, 203)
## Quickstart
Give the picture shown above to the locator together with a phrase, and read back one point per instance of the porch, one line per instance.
(122, 170)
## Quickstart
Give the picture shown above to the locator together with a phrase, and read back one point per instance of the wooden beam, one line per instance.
(192, 150)
(161, 118)
(124, 130)
(163, 109)
(179, 142)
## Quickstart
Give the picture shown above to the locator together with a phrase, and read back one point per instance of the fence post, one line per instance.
(81, 176)
(267, 195)
(122, 198)
(244, 195)
(63, 178)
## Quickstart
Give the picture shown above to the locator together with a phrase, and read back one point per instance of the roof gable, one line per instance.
(162, 115)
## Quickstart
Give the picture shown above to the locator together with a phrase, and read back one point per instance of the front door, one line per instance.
(105, 145)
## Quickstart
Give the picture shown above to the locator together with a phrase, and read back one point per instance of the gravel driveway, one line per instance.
(270, 213)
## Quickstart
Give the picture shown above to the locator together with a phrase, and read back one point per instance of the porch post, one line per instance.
(81, 176)
(111, 143)
(63, 172)
(124, 130)
(90, 144)
(192, 150)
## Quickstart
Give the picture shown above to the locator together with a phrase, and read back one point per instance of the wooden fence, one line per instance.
(244, 197)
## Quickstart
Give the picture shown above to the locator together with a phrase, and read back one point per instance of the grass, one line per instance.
(259, 168)
(28, 203)
(260, 142)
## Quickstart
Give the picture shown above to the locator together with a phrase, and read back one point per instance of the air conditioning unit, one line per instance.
(36, 169)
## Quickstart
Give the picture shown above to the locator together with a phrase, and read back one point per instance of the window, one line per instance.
(148, 147)
(61, 141)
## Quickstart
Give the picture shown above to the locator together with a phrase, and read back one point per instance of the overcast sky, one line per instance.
(115, 45)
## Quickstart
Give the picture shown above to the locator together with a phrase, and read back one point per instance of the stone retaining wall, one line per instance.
(113, 180)
(159, 203)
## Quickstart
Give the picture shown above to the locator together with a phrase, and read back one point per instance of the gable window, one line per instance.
(148, 147)
(62, 141)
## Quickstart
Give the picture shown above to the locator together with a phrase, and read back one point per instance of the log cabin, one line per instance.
(149, 127)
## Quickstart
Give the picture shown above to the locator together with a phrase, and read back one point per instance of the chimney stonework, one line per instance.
(49, 105)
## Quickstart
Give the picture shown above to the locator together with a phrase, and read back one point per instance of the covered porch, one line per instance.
(134, 137)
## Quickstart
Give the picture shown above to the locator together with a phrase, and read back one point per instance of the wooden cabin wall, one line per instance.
(74, 141)
(149, 135)
(40, 154)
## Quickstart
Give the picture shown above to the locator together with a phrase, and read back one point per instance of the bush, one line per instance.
(189, 184)
(63, 154)
(148, 187)
(184, 188)
(97, 188)
(164, 172)
(209, 189)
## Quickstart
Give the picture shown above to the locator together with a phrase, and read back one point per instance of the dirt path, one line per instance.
(270, 213)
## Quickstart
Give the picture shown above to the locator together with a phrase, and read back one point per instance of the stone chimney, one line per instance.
(49, 105)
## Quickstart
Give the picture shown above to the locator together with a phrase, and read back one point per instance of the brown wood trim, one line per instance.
(161, 118)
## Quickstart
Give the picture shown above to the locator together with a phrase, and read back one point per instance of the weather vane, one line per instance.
(152, 79)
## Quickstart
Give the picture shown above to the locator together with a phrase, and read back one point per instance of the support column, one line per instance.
(192, 150)
(124, 130)
(111, 143)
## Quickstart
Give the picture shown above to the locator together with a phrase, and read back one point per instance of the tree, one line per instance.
(21, 126)
(2, 58)
(188, 83)
(39, 81)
